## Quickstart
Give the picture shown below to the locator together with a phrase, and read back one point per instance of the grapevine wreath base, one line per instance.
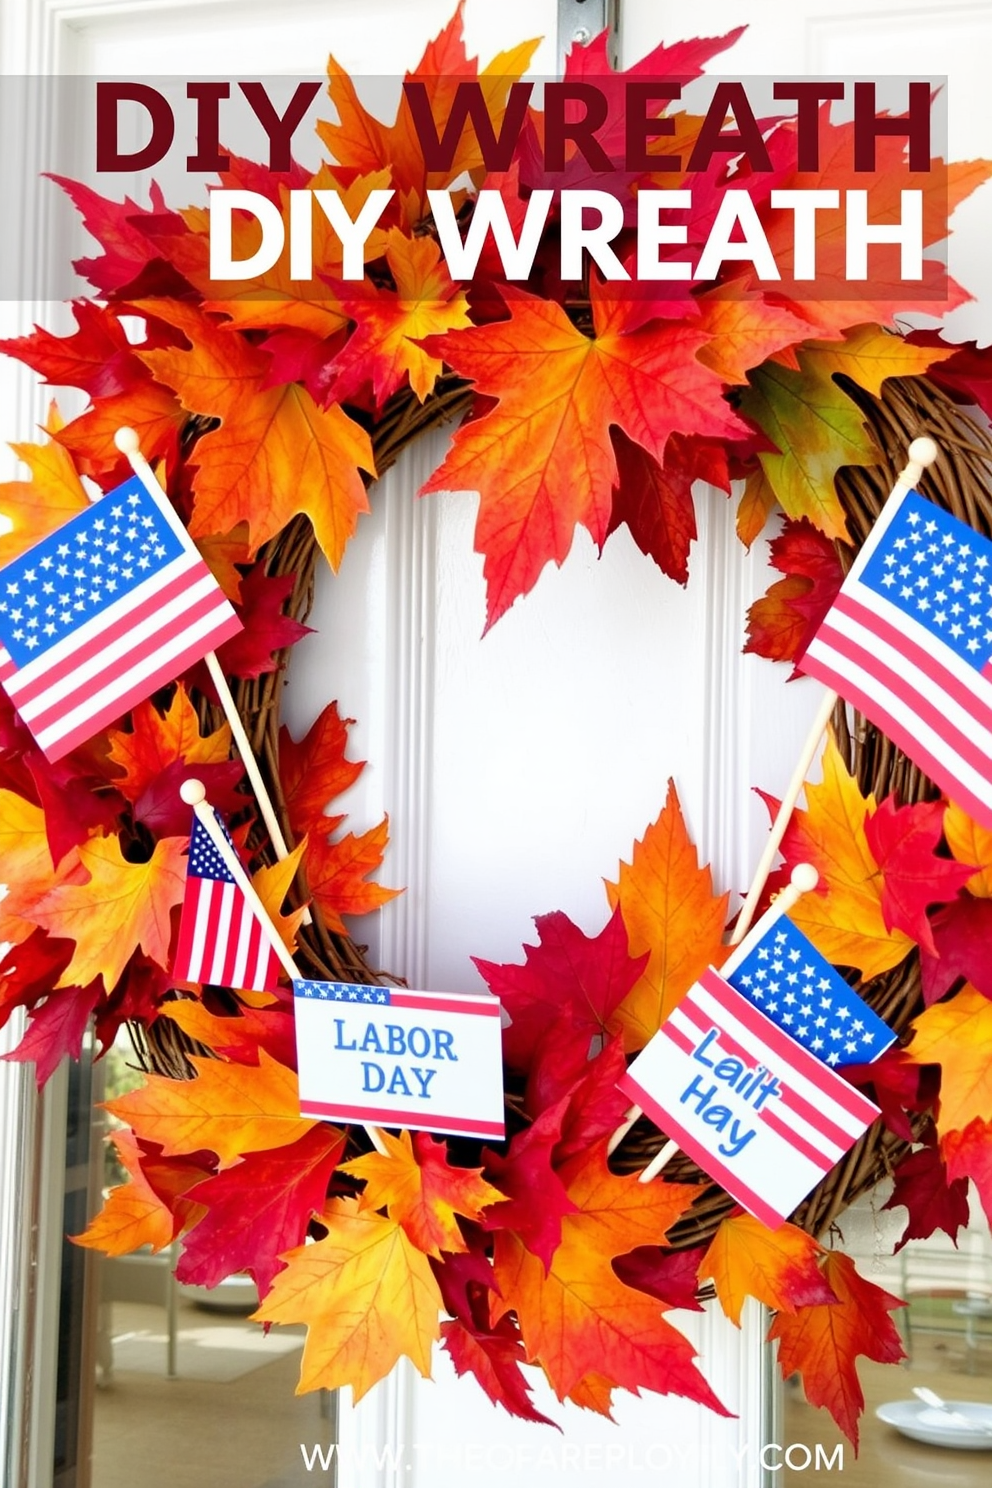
(959, 481)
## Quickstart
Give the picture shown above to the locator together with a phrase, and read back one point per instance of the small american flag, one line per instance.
(221, 941)
(784, 975)
(102, 612)
(755, 1110)
(908, 641)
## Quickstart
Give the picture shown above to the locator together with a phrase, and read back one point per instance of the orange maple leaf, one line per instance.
(368, 1296)
(422, 1191)
(823, 1342)
(158, 740)
(275, 454)
(970, 844)
(229, 1109)
(315, 770)
(336, 873)
(272, 883)
(359, 140)
(36, 507)
(843, 917)
(119, 907)
(382, 349)
(133, 1214)
(670, 910)
(26, 865)
(579, 1319)
(778, 1267)
(542, 460)
(968, 1154)
(152, 411)
(957, 1035)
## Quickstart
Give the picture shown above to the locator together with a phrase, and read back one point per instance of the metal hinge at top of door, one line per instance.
(580, 20)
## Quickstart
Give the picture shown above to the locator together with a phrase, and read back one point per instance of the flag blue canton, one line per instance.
(938, 570)
(343, 992)
(204, 859)
(786, 977)
(91, 562)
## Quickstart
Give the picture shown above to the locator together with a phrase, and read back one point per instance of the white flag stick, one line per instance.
(922, 453)
(803, 880)
(126, 441)
(193, 793)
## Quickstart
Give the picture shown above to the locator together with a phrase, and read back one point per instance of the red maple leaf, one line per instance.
(935, 1200)
(902, 840)
(494, 1356)
(536, 1197)
(669, 1275)
(782, 622)
(962, 934)
(56, 1028)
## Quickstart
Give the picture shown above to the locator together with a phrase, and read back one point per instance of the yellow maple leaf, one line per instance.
(120, 906)
(843, 918)
(972, 845)
(747, 1259)
(368, 1296)
(423, 1195)
(670, 910)
(229, 1109)
(36, 507)
(957, 1035)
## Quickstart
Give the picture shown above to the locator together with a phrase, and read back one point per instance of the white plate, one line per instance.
(925, 1424)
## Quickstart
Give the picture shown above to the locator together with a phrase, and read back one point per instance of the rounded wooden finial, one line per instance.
(193, 792)
(127, 441)
(923, 451)
(804, 877)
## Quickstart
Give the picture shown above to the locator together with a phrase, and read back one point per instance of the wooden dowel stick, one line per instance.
(194, 794)
(659, 1160)
(126, 441)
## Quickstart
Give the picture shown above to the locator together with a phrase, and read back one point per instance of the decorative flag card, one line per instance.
(388, 1056)
(221, 940)
(784, 975)
(755, 1110)
(95, 617)
(908, 641)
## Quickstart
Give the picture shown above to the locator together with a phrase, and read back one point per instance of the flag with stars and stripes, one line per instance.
(784, 975)
(95, 617)
(221, 940)
(908, 641)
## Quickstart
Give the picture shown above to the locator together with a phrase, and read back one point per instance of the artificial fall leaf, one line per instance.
(157, 740)
(382, 349)
(275, 454)
(935, 1200)
(337, 872)
(897, 1086)
(755, 507)
(137, 998)
(422, 1191)
(26, 865)
(595, 1107)
(782, 622)
(76, 803)
(153, 412)
(272, 884)
(655, 502)
(133, 1214)
(35, 507)
(745, 331)
(266, 631)
(535, 1200)
(670, 911)
(968, 1156)
(229, 1109)
(119, 228)
(315, 770)
(957, 1035)
(971, 844)
(494, 1357)
(368, 1296)
(668, 1275)
(162, 809)
(567, 972)
(119, 907)
(815, 428)
(962, 933)
(579, 1318)
(29, 970)
(902, 840)
(542, 459)
(843, 917)
(823, 1342)
(238, 1037)
(778, 1267)
(258, 1209)
(56, 1028)
(96, 356)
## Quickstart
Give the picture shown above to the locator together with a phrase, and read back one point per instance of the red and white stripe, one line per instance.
(221, 941)
(145, 639)
(800, 1134)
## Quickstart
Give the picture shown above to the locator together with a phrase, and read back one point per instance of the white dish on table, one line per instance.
(939, 1428)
